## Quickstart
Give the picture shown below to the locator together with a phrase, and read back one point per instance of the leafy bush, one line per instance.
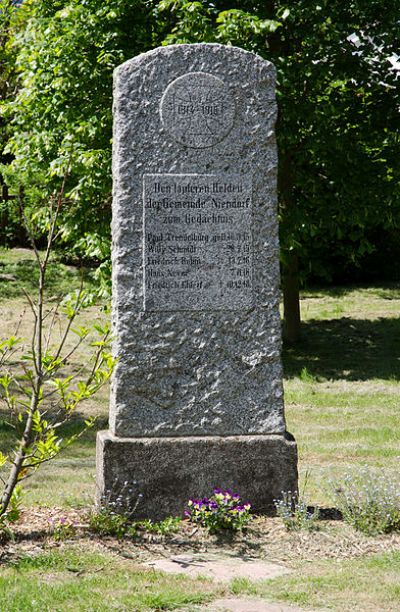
(295, 513)
(165, 527)
(106, 522)
(369, 500)
(11, 515)
(223, 511)
(63, 528)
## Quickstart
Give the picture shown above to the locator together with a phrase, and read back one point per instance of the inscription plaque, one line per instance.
(198, 109)
(197, 242)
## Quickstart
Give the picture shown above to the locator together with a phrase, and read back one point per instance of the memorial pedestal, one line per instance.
(167, 472)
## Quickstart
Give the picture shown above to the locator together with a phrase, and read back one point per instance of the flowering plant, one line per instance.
(295, 513)
(224, 510)
(369, 500)
(63, 528)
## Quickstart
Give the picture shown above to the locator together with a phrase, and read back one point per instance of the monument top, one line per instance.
(197, 48)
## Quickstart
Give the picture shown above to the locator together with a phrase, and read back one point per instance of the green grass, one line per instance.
(71, 578)
(342, 390)
(342, 383)
(365, 585)
(74, 579)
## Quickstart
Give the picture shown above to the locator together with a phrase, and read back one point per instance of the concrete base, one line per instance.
(169, 471)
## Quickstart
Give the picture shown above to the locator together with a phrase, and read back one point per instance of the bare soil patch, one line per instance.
(266, 539)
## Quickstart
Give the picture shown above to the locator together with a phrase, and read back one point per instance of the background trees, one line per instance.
(62, 114)
(338, 126)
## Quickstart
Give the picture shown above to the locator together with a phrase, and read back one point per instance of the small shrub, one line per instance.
(114, 516)
(369, 500)
(14, 508)
(223, 511)
(11, 515)
(294, 512)
(105, 522)
(307, 377)
(165, 527)
(63, 528)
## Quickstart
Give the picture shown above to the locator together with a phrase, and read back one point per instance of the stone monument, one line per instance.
(197, 396)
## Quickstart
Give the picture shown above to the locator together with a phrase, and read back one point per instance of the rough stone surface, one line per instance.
(220, 569)
(169, 471)
(197, 333)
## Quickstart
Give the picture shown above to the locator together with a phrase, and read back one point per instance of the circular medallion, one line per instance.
(198, 110)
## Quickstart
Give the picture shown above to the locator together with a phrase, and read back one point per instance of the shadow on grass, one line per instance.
(386, 291)
(346, 349)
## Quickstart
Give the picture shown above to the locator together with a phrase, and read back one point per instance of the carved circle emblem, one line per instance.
(197, 109)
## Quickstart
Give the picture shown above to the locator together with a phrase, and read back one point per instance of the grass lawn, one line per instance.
(74, 579)
(365, 584)
(342, 395)
(342, 383)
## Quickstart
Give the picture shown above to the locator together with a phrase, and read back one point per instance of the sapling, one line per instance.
(42, 384)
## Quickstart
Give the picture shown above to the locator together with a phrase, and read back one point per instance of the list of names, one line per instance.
(197, 242)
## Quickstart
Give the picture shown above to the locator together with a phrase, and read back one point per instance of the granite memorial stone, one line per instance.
(197, 397)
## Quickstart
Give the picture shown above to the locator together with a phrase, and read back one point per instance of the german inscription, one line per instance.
(198, 109)
(197, 242)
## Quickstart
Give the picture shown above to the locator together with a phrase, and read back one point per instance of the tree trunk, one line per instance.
(291, 299)
(290, 281)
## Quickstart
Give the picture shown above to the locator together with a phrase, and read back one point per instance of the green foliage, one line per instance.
(295, 513)
(63, 528)
(66, 53)
(14, 508)
(337, 129)
(224, 511)
(106, 522)
(193, 24)
(369, 500)
(38, 387)
(169, 525)
(338, 121)
(306, 376)
(8, 20)
(37, 410)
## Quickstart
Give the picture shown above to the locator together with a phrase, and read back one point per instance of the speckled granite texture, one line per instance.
(205, 371)
(166, 472)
